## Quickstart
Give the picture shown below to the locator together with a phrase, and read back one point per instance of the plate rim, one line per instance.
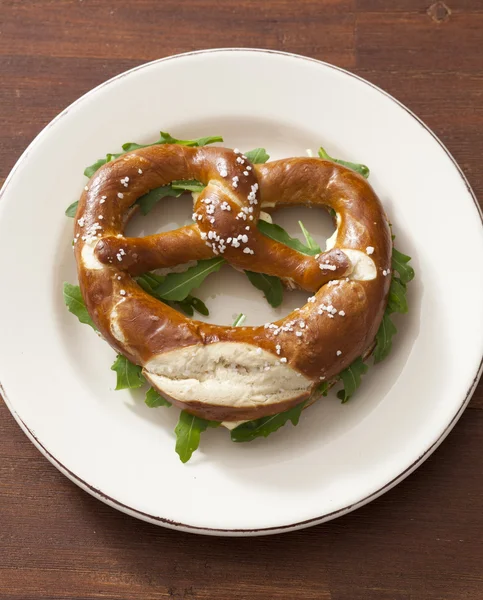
(161, 521)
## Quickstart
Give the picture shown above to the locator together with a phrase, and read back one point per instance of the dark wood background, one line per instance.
(422, 540)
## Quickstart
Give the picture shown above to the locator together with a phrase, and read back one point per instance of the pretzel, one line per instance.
(234, 373)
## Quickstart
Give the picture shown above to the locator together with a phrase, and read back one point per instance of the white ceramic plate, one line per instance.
(55, 373)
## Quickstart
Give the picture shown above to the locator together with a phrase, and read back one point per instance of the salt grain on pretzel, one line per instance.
(228, 373)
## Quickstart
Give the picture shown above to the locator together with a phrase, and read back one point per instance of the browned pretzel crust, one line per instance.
(316, 342)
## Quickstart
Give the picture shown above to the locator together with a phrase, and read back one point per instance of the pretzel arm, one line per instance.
(138, 255)
(273, 258)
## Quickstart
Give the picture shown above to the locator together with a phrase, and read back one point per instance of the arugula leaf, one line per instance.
(277, 233)
(359, 168)
(309, 239)
(75, 303)
(149, 200)
(271, 287)
(323, 388)
(91, 169)
(71, 210)
(129, 375)
(239, 320)
(188, 431)
(164, 138)
(153, 399)
(397, 301)
(351, 378)
(177, 286)
(257, 156)
(198, 305)
(400, 265)
(150, 281)
(145, 282)
(246, 432)
(186, 185)
(183, 305)
(384, 338)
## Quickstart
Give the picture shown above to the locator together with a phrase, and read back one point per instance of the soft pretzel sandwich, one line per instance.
(234, 373)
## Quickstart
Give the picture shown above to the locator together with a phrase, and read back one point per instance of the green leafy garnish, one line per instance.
(198, 305)
(384, 338)
(176, 286)
(186, 185)
(189, 305)
(323, 388)
(71, 210)
(351, 378)
(311, 244)
(164, 138)
(129, 375)
(246, 432)
(154, 399)
(359, 168)
(397, 301)
(402, 273)
(277, 233)
(149, 200)
(150, 281)
(239, 320)
(174, 189)
(400, 265)
(91, 169)
(188, 431)
(75, 303)
(257, 156)
(271, 287)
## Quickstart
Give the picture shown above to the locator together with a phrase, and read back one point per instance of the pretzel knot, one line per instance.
(227, 373)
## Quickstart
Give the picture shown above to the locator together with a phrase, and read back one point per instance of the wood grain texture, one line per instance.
(422, 540)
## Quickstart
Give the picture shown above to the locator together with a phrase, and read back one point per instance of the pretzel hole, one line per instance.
(317, 221)
(168, 214)
(228, 292)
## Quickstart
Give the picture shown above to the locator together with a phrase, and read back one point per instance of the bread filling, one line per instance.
(226, 374)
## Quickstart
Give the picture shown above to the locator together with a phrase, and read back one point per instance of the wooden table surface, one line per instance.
(422, 540)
